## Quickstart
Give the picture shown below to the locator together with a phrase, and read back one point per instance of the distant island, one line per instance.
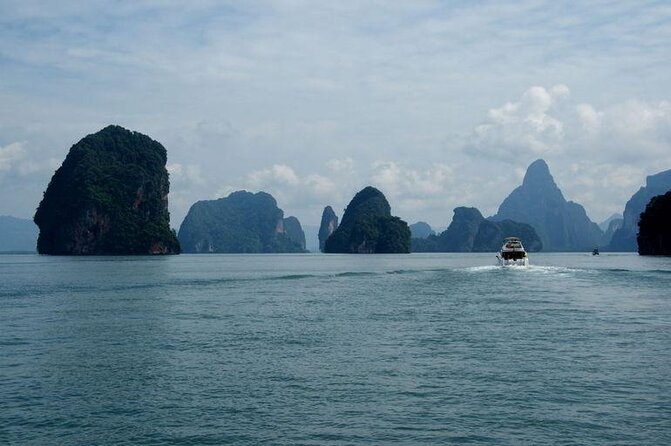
(110, 196)
(561, 225)
(368, 227)
(469, 231)
(328, 225)
(243, 222)
(624, 238)
(654, 236)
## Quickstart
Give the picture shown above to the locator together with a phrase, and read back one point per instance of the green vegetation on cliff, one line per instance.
(243, 222)
(654, 237)
(368, 227)
(110, 196)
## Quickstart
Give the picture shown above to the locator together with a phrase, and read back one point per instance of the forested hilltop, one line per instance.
(243, 222)
(110, 196)
(368, 227)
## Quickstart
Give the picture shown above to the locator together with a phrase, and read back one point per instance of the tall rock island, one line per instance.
(328, 226)
(294, 230)
(243, 222)
(654, 237)
(110, 196)
(624, 238)
(469, 231)
(561, 225)
(368, 227)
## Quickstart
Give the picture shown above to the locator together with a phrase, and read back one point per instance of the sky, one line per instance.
(438, 104)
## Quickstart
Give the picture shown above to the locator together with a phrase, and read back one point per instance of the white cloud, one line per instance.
(10, 155)
(239, 87)
(20, 158)
(341, 165)
(185, 174)
(522, 129)
(589, 117)
(278, 174)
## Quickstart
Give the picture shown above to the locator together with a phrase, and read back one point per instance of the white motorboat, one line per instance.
(513, 253)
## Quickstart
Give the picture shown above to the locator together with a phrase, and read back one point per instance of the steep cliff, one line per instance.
(110, 196)
(293, 229)
(368, 227)
(624, 239)
(243, 222)
(561, 225)
(654, 236)
(328, 226)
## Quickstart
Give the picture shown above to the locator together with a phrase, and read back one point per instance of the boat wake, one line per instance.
(530, 269)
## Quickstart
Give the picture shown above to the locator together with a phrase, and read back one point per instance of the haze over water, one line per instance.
(325, 350)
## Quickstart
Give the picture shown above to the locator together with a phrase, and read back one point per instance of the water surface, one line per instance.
(335, 349)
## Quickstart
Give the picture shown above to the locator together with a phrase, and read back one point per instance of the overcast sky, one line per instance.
(438, 104)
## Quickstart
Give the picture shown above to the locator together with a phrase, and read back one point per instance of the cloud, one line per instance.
(239, 87)
(522, 129)
(18, 158)
(278, 174)
(341, 165)
(10, 155)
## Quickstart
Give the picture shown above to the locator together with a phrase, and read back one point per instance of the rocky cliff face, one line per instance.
(243, 222)
(562, 225)
(368, 227)
(110, 196)
(328, 226)
(460, 234)
(624, 239)
(654, 237)
(293, 229)
(469, 231)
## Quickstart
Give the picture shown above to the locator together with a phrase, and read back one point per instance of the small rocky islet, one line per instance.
(368, 227)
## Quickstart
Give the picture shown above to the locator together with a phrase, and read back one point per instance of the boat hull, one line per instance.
(514, 262)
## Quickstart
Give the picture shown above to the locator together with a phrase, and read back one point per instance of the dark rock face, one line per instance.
(243, 222)
(470, 232)
(17, 234)
(654, 237)
(328, 226)
(561, 225)
(368, 227)
(421, 230)
(293, 229)
(624, 239)
(110, 196)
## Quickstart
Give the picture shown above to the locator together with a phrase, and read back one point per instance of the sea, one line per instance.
(418, 349)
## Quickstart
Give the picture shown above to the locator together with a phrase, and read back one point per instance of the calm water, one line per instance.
(334, 350)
